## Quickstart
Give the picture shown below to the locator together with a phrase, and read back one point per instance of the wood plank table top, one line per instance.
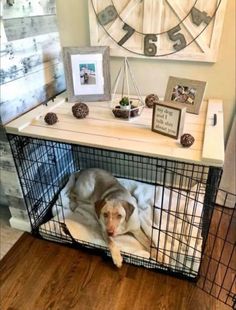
(102, 130)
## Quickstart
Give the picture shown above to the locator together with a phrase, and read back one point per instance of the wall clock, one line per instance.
(168, 29)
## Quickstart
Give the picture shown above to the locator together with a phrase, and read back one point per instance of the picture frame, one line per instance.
(87, 73)
(168, 119)
(189, 93)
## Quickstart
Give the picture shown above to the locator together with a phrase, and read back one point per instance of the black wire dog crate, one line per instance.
(174, 198)
(189, 235)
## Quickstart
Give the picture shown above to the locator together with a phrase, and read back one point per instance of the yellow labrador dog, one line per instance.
(115, 208)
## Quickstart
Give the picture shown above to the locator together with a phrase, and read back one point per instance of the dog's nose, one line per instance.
(110, 233)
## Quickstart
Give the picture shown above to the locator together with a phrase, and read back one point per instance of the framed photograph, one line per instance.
(168, 119)
(189, 93)
(87, 73)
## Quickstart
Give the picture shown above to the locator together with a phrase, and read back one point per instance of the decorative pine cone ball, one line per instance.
(187, 140)
(151, 99)
(80, 110)
(51, 118)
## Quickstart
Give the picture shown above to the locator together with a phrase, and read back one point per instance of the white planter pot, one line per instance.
(125, 107)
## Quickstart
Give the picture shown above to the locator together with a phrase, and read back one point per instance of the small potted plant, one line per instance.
(125, 103)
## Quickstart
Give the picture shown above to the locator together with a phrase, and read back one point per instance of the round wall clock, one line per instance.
(174, 29)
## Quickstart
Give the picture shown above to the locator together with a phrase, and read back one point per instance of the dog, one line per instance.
(115, 208)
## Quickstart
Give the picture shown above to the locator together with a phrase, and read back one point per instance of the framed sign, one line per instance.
(168, 119)
(189, 93)
(87, 73)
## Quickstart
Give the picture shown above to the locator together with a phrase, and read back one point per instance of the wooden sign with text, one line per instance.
(168, 119)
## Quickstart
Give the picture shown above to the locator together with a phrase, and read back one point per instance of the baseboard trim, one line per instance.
(20, 224)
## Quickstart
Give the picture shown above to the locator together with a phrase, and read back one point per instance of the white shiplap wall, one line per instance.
(31, 73)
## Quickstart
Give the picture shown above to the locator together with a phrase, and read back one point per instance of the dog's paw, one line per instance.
(118, 261)
(117, 258)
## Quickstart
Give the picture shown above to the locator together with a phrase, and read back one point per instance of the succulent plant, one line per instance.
(124, 101)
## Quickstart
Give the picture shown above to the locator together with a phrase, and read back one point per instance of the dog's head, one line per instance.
(113, 215)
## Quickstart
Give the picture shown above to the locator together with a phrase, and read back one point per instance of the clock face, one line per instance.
(157, 28)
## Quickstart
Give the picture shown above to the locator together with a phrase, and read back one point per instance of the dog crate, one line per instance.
(190, 236)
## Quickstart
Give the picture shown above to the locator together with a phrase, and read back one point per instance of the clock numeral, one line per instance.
(174, 36)
(150, 48)
(129, 33)
(107, 15)
(198, 17)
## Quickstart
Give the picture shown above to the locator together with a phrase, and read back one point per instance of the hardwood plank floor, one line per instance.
(37, 275)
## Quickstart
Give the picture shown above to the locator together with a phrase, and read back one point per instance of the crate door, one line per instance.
(218, 269)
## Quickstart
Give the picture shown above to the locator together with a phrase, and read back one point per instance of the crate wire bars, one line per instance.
(218, 270)
(183, 233)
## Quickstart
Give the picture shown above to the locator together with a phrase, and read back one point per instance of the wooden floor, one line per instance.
(37, 275)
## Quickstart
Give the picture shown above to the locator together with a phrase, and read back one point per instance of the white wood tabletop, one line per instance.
(101, 129)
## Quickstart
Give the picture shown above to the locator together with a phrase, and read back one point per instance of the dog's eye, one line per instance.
(105, 215)
(119, 216)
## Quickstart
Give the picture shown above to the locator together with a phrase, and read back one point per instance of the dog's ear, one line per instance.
(98, 206)
(129, 209)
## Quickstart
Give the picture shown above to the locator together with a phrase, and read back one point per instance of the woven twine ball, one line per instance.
(187, 140)
(80, 110)
(51, 118)
(150, 100)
